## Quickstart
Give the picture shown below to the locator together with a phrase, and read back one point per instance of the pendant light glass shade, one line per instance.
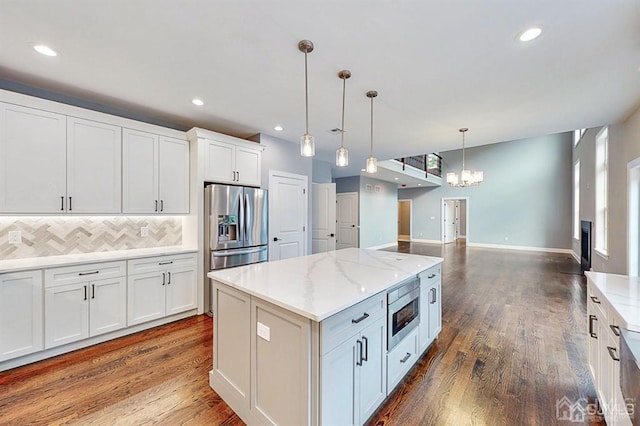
(371, 165)
(307, 142)
(342, 155)
(467, 177)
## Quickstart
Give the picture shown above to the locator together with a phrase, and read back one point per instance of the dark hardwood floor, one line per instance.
(513, 343)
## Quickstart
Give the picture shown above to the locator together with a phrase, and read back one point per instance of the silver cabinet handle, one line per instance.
(431, 276)
(612, 353)
(615, 329)
(156, 205)
(238, 176)
(406, 357)
(93, 291)
(169, 280)
(591, 332)
(362, 318)
(166, 263)
(366, 348)
(164, 278)
(85, 292)
(595, 300)
(88, 273)
(161, 205)
(359, 355)
(70, 208)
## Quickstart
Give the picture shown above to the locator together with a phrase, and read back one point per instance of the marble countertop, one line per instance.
(320, 285)
(623, 293)
(14, 265)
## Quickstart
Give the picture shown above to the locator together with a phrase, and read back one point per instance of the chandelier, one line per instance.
(467, 177)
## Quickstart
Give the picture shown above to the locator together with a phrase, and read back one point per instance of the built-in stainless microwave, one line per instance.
(403, 310)
(630, 373)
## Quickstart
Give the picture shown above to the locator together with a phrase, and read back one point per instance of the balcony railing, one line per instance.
(428, 163)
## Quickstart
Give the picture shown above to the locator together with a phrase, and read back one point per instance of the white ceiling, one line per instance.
(437, 65)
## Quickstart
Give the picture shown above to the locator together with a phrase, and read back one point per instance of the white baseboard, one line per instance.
(418, 240)
(523, 248)
(382, 246)
(575, 256)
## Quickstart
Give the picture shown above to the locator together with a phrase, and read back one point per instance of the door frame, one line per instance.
(410, 201)
(633, 213)
(357, 195)
(442, 201)
(305, 179)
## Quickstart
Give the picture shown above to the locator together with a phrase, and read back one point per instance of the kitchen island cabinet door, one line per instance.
(146, 297)
(32, 160)
(107, 305)
(181, 289)
(435, 311)
(66, 315)
(173, 189)
(21, 295)
(94, 167)
(338, 372)
(373, 372)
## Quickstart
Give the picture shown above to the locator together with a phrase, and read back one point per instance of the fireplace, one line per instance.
(585, 245)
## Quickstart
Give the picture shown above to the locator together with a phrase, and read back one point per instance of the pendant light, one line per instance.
(342, 155)
(307, 143)
(467, 177)
(372, 163)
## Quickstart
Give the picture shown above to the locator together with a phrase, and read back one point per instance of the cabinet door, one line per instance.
(107, 306)
(220, 162)
(139, 172)
(593, 340)
(373, 372)
(21, 307)
(181, 289)
(32, 160)
(248, 166)
(66, 314)
(338, 370)
(173, 191)
(146, 297)
(435, 313)
(94, 158)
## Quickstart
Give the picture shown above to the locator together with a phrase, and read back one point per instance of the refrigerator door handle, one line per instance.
(226, 253)
(242, 220)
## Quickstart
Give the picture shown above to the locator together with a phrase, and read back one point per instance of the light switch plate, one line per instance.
(15, 237)
(264, 332)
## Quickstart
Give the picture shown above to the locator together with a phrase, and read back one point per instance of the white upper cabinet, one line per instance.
(32, 160)
(221, 162)
(248, 166)
(94, 153)
(155, 173)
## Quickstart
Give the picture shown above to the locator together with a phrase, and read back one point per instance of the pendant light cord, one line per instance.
(306, 96)
(344, 84)
(463, 150)
(371, 151)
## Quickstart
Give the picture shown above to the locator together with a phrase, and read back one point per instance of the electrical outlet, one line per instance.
(144, 231)
(15, 237)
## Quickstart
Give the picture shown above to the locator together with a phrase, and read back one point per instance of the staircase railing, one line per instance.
(428, 163)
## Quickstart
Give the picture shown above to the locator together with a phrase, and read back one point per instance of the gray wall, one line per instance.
(378, 213)
(525, 199)
(624, 146)
(321, 172)
(348, 184)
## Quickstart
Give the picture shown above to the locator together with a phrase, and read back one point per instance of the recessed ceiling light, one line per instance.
(362, 170)
(278, 128)
(530, 34)
(45, 50)
(197, 101)
(419, 184)
(396, 178)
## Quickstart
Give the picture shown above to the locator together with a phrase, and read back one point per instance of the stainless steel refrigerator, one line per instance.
(236, 230)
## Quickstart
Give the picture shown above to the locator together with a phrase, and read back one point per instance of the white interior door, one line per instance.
(287, 215)
(347, 220)
(323, 228)
(449, 221)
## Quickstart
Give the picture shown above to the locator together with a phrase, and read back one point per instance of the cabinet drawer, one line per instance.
(599, 302)
(401, 359)
(81, 273)
(159, 263)
(431, 275)
(341, 326)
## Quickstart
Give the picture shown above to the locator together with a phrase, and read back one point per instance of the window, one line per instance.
(577, 135)
(602, 189)
(576, 201)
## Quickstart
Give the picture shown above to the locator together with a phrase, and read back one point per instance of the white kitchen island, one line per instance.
(304, 340)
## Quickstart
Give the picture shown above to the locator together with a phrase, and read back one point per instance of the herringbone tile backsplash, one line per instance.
(51, 236)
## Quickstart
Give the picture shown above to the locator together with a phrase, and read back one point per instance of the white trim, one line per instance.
(575, 256)
(382, 246)
(601, 253)
(523, 248)
(419, 240)
(633, 203)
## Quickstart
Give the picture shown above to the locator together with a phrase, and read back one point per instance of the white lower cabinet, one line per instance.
(401, 358)
(160, 286)
(430, 306)
(80, 303)
(20, 314)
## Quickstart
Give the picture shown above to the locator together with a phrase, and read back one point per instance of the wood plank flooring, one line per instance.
(513, 343)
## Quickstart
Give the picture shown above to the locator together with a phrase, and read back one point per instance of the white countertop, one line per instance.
(320, 285)
(14, 265)
(623, 293)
